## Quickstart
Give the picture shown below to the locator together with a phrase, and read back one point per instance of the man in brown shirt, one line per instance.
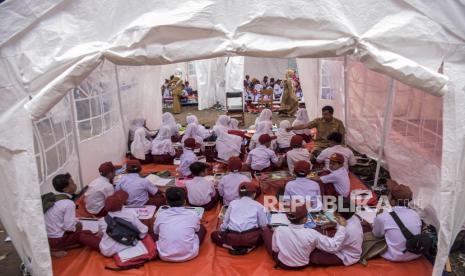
(324, 126)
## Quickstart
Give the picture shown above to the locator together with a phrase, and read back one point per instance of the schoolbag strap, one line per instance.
(407, 234)
(125, 268)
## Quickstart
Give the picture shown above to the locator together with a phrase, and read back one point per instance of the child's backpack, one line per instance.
(49, 199)
(416, 244)
(122, 231)
(138, 261)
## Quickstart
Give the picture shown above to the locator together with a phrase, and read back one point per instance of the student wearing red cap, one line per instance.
(302, 187)
(114, 205)
(200, 191)
(338, 177)
(187, 157)
(385, 226)
(140, 190)
(99, 189)
(297, 153)
(242, 225)
(261, 158)
(228, 186)
(335, 146)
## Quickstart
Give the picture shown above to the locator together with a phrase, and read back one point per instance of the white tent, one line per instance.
(49, 48)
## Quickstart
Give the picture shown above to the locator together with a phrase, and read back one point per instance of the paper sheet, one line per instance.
(91, 225)
(133, 251)
(146, 212)
(158, 181)
(279, 219)
(368, 215)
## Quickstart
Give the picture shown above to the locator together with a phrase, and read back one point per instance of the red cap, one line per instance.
(247, 187)
(264, 138)
(106, 167)
(300, 212)
(116, 201)
(133, 164)
(302, 167)
(234, 164)
(399, 191)
(337, 157)
(296, 140)
(189, 143)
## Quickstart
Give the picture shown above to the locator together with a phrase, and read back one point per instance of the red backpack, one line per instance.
(138, 261)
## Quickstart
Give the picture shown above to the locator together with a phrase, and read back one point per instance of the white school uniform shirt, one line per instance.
(228, 186)
(228, 145)
(244, 214)
(295, 155)
(384, 225)
(138, 189)
(177, 241)
(261, 157)
(346, 243)
(258, 87)
(301, 119)
(97, 191)
(294, 244)
(277, 90)
(340, 180)
(304, 187)
(60, 218)
(108, 246)
(187, 158)
(349, 158)
(200, 191)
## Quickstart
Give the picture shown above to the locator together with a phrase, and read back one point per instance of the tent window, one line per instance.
(190, 69)
(95, 109)
(326, 93)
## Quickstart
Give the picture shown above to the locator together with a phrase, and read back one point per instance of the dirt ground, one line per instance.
(9, 259)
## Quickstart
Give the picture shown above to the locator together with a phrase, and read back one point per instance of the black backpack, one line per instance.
(416, 244)
(122, 231)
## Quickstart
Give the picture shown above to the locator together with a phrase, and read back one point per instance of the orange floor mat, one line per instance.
(213, 260)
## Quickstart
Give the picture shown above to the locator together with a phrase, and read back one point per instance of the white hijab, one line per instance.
(221, 124)
(168, 120)
(301, 119)
(265, 115)
(233, 124)
(162, 143)
(261, 128)
(284, 137)
(192, 131)
(135, 124)
(192, 119)
(227, 145)
(140, 146)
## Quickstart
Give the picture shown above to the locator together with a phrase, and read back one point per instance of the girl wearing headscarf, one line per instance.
(302, 119)
(284, 137)
(261, 128)
(135, 124)
(192, 119)
(233, 124)
(265, 115)
(140, 147)
(227, 145)
(234, 129)
(192, 131)
(163, 151)
(167, 119)
(221, 124)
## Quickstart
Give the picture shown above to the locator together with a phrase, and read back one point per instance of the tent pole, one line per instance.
(75, 134)
(386, 126)
(118, 90)
(346, 93)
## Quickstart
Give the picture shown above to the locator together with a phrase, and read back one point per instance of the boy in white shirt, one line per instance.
(177, 230)
(100, 189)
(335, 141)
(228, 186)
(261, 158)
(338, 177)
(201, 192)
(242, 224)
(303, 188)
(297, 153)
(64, 231)
(187, 157)
(114, 205)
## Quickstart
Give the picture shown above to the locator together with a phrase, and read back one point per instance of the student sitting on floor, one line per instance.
(265, 116)
(302, 119)
(345, 248)
(192, 131)
(177, 230)
(338, 177)
(163, 151)
(167, 119)
(303, 187)
(222, 124)
(227, 145)
(99, 189)
(228, 186)
(297, 153)
(203, 132)
(201, 192)
(140, 147)
(261, 158)
(242, 224)
(291, 246)
(385, 225)
(187, 157)
(114, 204)
(335, 141)
(140, 190)
(261, 128)
(284, 137)
(233, 124)
(63, 230)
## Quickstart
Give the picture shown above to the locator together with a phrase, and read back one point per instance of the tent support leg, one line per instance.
(76, 140)
(386, 127)
(346, 93)
(120, 105)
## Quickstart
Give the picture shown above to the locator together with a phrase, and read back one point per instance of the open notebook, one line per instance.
(133, 251)
(159, 181)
